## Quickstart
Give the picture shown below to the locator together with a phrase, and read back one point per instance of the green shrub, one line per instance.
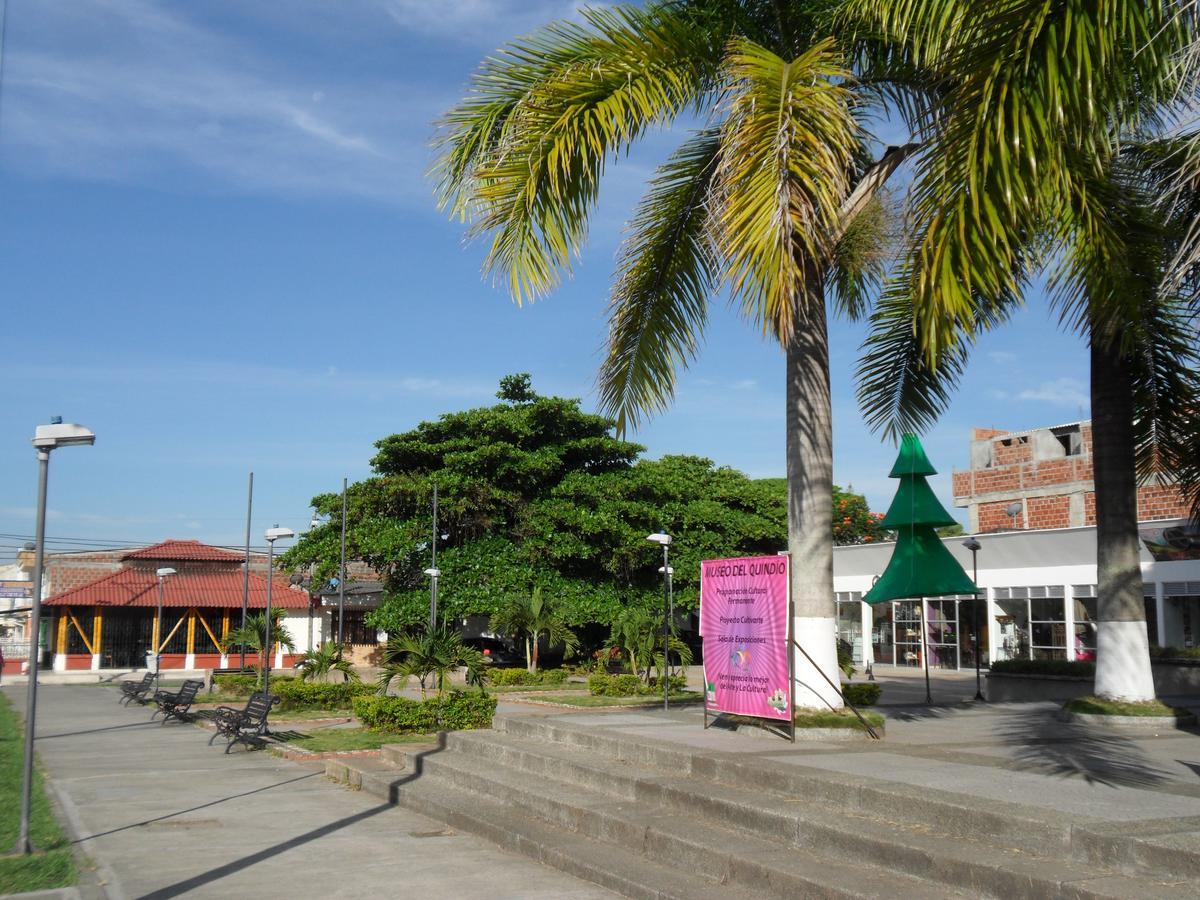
(1175, 652)
(507, 677)
(455, 711)
(865, 693)
(242, 685)
(600, 685)
(1044, 667)
(296, 694)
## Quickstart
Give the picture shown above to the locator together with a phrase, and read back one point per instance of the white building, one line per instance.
(1039, 598)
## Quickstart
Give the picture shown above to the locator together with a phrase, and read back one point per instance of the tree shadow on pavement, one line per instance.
(1074, 750)
(252, 859)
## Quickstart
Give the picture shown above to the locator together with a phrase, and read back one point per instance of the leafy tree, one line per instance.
(853, 521)
(430, 654)
(530, 619)
(329, 657)
(769, 199)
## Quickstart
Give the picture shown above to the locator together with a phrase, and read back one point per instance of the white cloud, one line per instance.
(1002, 357)
(1059, 392)
(138, 92)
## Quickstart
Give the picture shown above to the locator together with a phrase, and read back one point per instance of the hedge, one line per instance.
(455, 711)
(244, 685)
(296, 694)
(600, 685)
(504, 677)
(1043, 667)
(865, 693)
(1175, 652)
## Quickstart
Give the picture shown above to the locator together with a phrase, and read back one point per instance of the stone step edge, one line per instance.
(753, 877)
(639, 878)
(868, 797)
(945, 866)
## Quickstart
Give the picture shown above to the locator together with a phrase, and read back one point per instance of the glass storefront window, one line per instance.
(1085, 629)
(1012, 628)
(849, 624)
(970, 611)
(908, 633)
(1048, 628)
(943, 633)
(883, 646)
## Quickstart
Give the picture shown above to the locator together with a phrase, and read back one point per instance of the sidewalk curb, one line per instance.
(101, 881)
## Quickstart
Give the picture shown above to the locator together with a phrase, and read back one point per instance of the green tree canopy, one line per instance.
(534, 492)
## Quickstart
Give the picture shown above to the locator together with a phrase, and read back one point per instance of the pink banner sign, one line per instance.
(744, 625)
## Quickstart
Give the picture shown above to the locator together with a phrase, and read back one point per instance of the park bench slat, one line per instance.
(247, 725)
(138, 690)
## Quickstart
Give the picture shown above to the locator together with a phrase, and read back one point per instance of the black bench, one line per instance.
(247, 725)
(175, 704)
(137, 690)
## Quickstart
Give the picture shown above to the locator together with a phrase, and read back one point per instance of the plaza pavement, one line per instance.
(164, 815)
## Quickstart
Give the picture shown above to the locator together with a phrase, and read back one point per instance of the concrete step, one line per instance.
(943, 811)
(789, 861)
(830, 810)
(628, 874)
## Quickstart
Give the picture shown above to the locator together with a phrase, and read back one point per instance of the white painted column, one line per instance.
(868, 645)
(993, 631)
(95, 662)
(1069, 618)
(189, 660)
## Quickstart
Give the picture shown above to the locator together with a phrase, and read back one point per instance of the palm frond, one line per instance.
(899, 388)
(666, 269)
(523, 157)
(788, 144)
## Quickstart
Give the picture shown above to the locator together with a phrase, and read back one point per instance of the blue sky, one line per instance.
(219, 250)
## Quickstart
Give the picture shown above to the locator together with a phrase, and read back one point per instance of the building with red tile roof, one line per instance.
(111, 621)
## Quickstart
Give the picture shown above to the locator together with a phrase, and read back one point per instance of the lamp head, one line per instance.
(61, 434)
(972, 544)
(274, 534)
(163, 573)
(314, 521)
(659, 538)
(433, 573)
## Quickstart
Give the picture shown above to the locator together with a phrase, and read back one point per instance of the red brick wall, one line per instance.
(1049, 512)
(1018, 450)
(76, 661)
(1158, 501)
(1089, 508)
(993, 518)
(208, 660)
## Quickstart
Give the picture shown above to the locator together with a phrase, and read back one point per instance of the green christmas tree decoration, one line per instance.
(920, 566)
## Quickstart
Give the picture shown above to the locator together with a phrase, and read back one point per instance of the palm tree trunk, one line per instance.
(810, 506)
(535, 651)
(1122, 649)
(528, 655)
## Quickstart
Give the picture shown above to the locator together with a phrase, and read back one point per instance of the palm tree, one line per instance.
(253, 636)
(531, 618)
(637, 635)
(329, 657)
(769, 199)
(430, 654)
(1026, 162)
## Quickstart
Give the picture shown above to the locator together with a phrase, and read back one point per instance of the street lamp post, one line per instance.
(973, 545)
(163, 575)
(45, 438)
(342, 574)
(433, 574)
(272, 535)
(665, 541)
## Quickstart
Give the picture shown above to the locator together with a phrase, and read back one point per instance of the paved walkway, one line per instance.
(165, 815)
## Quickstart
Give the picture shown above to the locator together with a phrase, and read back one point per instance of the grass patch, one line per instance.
(53, 866)
(330, 740)
(588, 700)
(536, 688)
(1094, 706)
(815, 718)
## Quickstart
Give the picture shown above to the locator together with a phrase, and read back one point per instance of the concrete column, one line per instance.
(1160, 612)
(1069, 618)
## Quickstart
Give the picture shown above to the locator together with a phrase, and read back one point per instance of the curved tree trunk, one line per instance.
(810, 507)
(1122, 649)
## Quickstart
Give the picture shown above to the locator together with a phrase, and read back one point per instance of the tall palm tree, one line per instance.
(530, 618)
(768, 198)
(1025, 165)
